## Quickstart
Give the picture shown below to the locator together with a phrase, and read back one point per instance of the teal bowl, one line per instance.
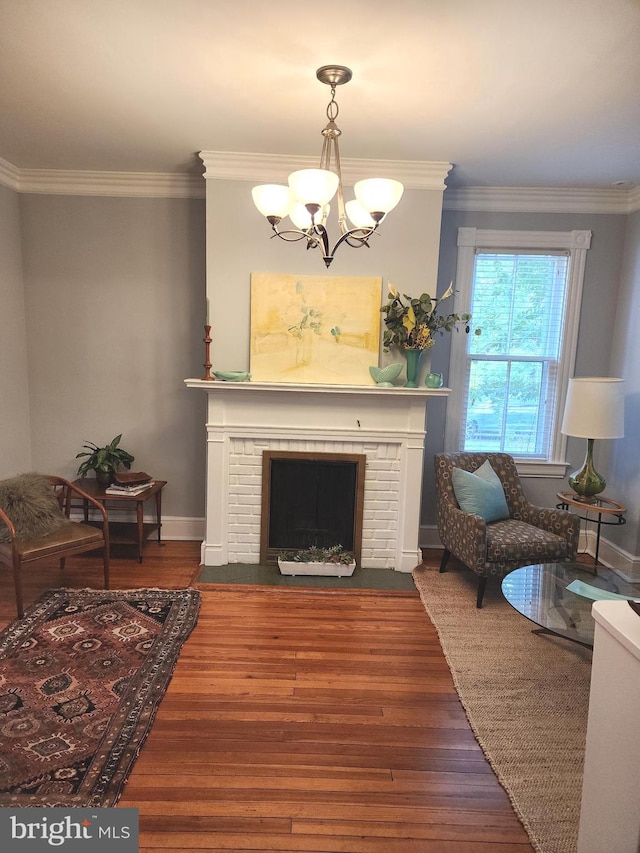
(232, 375)
(385, 376)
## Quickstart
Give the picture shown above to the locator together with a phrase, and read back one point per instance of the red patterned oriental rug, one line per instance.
(81, 678)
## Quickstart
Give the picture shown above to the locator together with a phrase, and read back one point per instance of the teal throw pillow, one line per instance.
(480, 492)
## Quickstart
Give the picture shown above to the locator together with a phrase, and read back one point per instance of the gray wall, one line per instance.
(114, 294)
(15, 445)
(624, 454)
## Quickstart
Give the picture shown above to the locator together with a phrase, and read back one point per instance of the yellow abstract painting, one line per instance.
(314, 329)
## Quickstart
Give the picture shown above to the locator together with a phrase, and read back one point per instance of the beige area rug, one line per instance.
(526, 697)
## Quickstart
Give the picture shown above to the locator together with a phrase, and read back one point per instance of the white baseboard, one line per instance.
(173, 527)
(611, 555)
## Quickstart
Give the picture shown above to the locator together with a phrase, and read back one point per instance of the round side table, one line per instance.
(607, 510)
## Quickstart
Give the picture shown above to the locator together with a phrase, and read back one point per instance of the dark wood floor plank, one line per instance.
(326, 844)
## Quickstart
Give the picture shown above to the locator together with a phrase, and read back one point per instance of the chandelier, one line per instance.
(306, 199)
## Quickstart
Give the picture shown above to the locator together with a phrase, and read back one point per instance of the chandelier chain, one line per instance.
(332, 107)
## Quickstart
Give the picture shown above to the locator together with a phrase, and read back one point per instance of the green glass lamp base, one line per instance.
(586, 482)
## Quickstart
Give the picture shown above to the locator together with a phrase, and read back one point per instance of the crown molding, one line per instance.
(542, 200)
(274, 168)
(9, 175)
(634, 199)
(130, 184)
(268, 168)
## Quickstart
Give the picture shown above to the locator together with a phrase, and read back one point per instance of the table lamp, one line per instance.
(594, 409)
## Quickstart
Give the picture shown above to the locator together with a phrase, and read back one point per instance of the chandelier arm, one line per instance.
(325, 154)
(296, 235)
(357, 241)
(354, 235)
(342, 219)
(330, 155)
(321, 232)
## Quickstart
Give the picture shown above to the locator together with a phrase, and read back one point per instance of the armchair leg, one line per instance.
(445, 560)
(482, 585)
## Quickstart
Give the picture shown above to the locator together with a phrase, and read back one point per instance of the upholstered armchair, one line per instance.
(529, 534)
(35, 524)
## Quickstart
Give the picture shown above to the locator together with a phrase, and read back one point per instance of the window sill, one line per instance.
(541, 468)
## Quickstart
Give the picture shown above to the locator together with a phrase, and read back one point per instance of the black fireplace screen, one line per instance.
(312, 503)
(311, 499)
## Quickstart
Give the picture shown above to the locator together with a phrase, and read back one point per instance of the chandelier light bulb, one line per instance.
(378, 195)
(314, 186)
(274, 200)
(358, 216)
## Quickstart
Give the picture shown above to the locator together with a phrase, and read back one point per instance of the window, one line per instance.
(523, 290)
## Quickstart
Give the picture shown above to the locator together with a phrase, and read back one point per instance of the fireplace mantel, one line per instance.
(315, 388)
(388, 425)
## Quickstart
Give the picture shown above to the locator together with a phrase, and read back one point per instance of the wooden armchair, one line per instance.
(35, 524)
(530, 534)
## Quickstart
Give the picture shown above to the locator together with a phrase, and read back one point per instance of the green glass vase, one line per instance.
(413, 366)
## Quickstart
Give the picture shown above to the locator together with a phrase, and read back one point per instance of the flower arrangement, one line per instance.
(412, 324)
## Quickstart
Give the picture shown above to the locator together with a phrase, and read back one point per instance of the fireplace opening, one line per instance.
(311, 499)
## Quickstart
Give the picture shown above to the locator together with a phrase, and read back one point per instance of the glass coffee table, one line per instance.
(541, 593)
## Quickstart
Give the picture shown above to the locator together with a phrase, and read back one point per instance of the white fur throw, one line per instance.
(32, 506)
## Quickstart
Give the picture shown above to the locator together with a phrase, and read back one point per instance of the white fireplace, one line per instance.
(386, 425)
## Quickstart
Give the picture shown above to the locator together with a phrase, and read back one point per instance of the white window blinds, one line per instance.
(518, 301)
(524, 290)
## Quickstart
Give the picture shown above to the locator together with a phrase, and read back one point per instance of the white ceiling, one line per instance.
(514, 93)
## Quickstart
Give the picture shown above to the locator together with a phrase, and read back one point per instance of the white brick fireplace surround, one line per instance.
(387, 425)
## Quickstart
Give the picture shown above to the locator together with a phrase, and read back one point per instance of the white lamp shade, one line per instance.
(594, 408)
(273, 199)
(301, 217)
(378, 195)
(358, 216)
(314, 186)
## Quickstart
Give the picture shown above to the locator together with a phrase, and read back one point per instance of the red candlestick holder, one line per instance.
(207, 355)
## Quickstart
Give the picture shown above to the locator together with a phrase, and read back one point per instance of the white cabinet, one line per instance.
(610, 812)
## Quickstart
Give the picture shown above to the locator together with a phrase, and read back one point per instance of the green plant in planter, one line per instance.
(335, 554)
(105, 461)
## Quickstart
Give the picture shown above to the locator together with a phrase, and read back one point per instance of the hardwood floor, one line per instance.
(301, 720)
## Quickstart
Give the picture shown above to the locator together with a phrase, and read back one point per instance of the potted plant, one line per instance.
(105, 461)
(333, 561)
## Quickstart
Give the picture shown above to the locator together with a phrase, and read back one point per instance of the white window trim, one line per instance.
(470, 239)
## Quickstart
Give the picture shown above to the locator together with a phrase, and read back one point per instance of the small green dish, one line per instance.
(232, 375)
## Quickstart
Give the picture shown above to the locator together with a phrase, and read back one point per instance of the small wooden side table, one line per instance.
(123, 532)
(607, 510)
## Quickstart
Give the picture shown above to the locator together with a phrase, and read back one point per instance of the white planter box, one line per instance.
(336, 570)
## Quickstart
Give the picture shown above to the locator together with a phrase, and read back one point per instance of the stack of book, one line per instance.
(129, 483)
